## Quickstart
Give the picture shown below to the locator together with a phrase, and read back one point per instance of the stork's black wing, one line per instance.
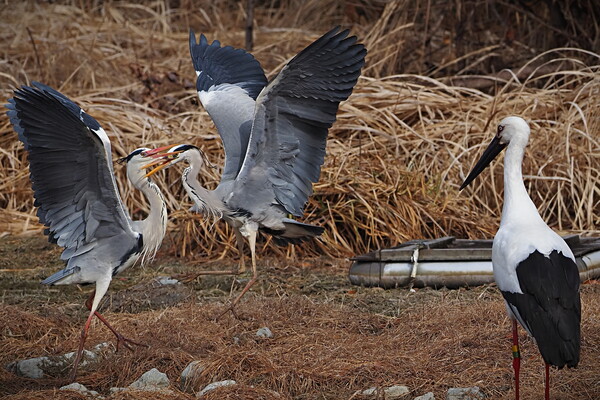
(550, 306)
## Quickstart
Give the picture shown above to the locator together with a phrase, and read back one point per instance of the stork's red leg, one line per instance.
(516, 357)
(84, 333)
(126, 342)
(547, 392)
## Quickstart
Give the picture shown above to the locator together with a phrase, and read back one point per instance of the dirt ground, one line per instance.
(330, 339)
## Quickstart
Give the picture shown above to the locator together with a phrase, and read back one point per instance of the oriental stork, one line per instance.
(534, 268)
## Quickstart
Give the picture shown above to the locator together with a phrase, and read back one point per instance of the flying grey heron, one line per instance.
(533, 266)
(77, 197)
(274, 134)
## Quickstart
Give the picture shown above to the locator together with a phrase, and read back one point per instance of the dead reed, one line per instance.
(400, 147)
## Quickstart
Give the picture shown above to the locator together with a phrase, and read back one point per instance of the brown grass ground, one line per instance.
(415, 124)
(330, 339)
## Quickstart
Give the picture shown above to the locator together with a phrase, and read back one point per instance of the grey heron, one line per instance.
(533, 266)
(77, 197)
(274, 134)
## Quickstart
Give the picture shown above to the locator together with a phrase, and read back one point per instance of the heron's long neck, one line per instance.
(154, 226)
(206, 200)
(518, 206)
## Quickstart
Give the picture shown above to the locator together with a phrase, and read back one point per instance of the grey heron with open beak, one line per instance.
(274, 134)
(77, 197)
(534, 267)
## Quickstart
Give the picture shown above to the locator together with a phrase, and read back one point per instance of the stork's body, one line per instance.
(533, 266)
(274, 134)
(77, 198)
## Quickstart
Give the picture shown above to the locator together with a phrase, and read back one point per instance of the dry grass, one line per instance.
(402, 142)
(321, 348)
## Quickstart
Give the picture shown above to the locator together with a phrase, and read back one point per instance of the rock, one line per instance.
(80, 388)
(369, 392)
(395, 392)
(264, 332)
(426, 396)
(165, 280)
(215, 385)
(471, 393)
(389, 393)
(39, 367)
(152, 380)
(190, 374)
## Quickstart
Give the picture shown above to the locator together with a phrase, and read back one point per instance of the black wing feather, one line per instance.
(550, 305)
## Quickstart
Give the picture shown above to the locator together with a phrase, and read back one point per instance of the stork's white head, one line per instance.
(513, 131)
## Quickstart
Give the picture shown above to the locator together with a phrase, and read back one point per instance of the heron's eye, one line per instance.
(500, 128)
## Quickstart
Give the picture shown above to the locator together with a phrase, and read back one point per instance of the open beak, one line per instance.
(493, 149)
(162, 160)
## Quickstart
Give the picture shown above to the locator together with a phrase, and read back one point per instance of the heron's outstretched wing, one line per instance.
(228, 82)
(70, 169)
(292, 117)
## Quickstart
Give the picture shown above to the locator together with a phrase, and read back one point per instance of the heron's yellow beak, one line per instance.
(162, 160)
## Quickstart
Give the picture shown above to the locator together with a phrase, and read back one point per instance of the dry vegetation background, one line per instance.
(439, 76)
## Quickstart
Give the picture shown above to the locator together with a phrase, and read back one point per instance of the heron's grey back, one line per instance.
(292, 118)
(220, 71)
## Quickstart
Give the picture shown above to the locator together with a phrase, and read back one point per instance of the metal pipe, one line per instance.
(451, 274)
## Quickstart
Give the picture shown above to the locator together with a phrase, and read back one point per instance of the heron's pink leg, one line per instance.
(516, 357)
(84, 333)
(547, 391)
(252, 243)
(126, 342)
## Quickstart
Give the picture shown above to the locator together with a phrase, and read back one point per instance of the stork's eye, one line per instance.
(500, 128)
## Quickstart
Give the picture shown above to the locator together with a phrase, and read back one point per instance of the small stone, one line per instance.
(189, 375)
(395, 392)
(28, 368)
(470, 393)
(215, 385)
(37, 368)
(389, 393)
(426, 396)
(152, 380)
(369, 392)
(78, 387)
(165, 280)
(264, 332)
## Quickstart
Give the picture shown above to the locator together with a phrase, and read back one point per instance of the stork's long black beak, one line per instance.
(494, 148)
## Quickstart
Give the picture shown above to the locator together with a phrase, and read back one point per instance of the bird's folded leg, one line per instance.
(121, 340)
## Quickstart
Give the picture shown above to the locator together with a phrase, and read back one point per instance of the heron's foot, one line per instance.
(127, 343)
(229, 308)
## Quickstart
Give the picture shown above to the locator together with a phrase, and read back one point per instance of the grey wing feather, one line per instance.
(70, 170)
(216, 65)
(219, 70)
(292, 118)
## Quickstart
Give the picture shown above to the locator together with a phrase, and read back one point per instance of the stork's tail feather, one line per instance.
(295, 232)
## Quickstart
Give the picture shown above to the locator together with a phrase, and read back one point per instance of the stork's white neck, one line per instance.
(518, 206)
